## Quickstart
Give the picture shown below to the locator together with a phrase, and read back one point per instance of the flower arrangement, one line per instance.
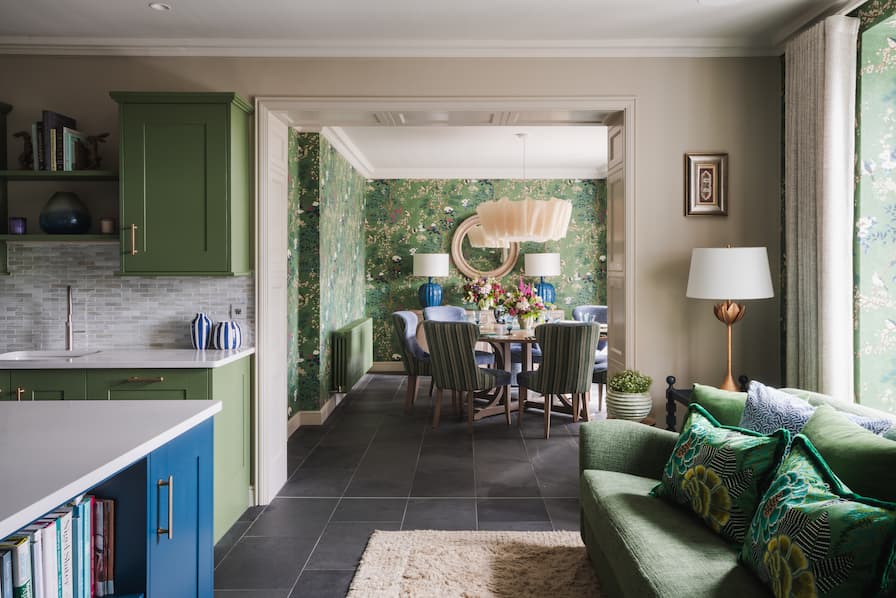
(630, 381)
(485, 293)
(523, 302)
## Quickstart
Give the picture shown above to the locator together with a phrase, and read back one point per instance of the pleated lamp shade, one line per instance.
(478, 238)
(525, 220)
(430, 264)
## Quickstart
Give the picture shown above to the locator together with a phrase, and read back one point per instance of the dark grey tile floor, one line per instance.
(373, 467)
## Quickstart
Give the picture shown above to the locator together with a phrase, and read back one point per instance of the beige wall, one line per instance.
(683, 105)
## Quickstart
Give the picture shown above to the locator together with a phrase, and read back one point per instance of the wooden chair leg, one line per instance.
(432, 383)
(507, 404)
(586, 399)
(455, 402)
(413, 385)
(437, 409)
(470, 411)
(548, 399)
(521, 406)
(575, 407)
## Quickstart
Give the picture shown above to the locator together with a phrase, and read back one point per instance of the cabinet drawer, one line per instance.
(147, 384)
(48, 385)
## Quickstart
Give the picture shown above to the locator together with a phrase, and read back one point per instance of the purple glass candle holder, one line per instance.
(18, 226)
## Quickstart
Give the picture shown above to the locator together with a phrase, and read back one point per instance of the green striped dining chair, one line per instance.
(416, 360)
(453, 359)
(567, 361)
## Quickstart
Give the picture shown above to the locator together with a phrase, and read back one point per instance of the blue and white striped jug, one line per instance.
(200, 331)
(227, 335)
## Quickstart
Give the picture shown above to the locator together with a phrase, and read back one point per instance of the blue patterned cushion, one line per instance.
(769, 409)
(877, 426)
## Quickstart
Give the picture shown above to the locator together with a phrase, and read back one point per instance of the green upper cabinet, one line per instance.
(185, 183)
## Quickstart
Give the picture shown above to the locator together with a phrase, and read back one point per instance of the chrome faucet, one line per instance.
(69, 341)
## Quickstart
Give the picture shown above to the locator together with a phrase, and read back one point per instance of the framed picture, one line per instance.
(705, 184)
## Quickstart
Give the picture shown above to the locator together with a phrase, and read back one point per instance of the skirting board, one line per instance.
(314, 418)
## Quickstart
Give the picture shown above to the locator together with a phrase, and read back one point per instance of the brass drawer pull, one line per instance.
(134, 239)
(143, 380)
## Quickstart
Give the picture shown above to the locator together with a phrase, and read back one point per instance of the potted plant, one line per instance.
(484, 293)
(628, 395)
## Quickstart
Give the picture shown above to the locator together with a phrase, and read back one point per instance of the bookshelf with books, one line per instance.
(24, 191)
(143, 527)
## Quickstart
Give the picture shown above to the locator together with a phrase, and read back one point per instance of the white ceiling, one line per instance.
(473, 152)
(405, 27)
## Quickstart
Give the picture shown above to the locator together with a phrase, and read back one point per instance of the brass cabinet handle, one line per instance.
(144, 380)
(169, 531)
(19, 392)
(134, 239)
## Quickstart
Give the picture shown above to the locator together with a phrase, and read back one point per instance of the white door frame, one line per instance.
(267, 403)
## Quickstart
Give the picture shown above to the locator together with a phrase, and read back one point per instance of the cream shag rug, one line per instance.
(423, 564)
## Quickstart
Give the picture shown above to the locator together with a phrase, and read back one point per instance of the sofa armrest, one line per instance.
(626, 447)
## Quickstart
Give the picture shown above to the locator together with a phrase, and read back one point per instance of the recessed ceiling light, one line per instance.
(160, 6)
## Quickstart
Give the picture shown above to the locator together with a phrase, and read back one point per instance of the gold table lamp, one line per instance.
(728, 274)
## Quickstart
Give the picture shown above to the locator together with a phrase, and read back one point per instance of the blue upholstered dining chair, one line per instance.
(566, 366)
(416, 360)
(454, 313)
(596, 313)
(453, 360)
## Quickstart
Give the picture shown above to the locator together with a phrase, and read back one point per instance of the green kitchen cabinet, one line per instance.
(185, 179)
(48, 385)
(6, 392)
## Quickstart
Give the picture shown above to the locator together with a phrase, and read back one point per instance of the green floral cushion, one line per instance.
(720, 472)
(812, 536)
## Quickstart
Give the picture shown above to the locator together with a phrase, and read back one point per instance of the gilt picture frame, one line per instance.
(706, 184)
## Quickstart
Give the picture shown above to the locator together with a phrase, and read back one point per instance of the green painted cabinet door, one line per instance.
(48, 385)
(232, 384)
(184, 186)
(6, 392)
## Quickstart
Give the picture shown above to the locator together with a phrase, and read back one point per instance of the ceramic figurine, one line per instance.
(93, 150)
(26, 158)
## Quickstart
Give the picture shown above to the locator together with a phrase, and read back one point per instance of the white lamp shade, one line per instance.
(730, 273)
(526, 220)
(430, 264)
(542, 264)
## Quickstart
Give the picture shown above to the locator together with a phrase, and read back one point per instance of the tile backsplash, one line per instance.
(110, 312)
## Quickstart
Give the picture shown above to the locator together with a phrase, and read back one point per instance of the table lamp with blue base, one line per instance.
(430, 265)
(541, 265)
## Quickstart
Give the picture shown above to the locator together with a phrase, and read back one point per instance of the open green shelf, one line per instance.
(41, 238)
(58, 175)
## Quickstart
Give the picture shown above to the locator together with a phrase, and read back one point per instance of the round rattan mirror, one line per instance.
(476, 262)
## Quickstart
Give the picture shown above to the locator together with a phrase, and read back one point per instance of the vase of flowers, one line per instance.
(524, 304)
(483, 293)
(628, 396)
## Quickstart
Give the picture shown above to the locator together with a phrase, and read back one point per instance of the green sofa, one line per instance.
(644, 546)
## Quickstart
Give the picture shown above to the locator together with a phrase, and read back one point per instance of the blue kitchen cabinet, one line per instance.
(166, 498)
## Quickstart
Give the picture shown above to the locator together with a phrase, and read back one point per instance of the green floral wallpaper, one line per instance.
(876, 213)
(407, 216)
(325, 262)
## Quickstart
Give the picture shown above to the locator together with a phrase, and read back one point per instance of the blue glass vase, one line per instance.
(64, 214)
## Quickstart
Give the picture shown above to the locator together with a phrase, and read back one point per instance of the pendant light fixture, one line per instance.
(527, 219)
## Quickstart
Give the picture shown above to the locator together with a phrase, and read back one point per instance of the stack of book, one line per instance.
(57, 144)
(68, 553)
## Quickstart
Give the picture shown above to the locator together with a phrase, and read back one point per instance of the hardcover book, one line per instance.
(53, 121)
(20, 548)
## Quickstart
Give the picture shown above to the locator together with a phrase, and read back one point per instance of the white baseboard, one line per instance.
(314, 417)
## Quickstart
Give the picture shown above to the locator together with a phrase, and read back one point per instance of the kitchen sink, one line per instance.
(43, 355)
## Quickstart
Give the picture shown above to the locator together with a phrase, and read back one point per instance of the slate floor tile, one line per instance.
(257, 563)
(564, 512)
(317, 481)
(323, 584)
(251, 593)
(439, 513)
(230, 538)
(370, 509)
(512, 509)
(342, 544)
(294, 517)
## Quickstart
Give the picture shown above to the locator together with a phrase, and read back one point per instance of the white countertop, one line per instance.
(53, 451)
(131, 358)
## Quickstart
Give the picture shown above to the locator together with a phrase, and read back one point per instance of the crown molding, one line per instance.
(621, 48)
(810, 17)
(343, 144)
